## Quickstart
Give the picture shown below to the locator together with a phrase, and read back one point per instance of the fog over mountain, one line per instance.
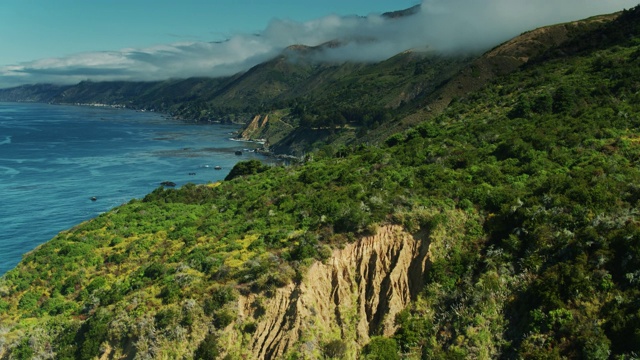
(441, 25)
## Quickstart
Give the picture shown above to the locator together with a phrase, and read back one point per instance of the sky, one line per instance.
(67, 41)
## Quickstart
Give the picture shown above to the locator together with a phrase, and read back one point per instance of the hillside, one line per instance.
(499, 61)
(309, 92)
(321, 103)
(506, 226)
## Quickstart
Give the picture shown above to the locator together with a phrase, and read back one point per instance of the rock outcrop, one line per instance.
(353, 295)
(254, 128)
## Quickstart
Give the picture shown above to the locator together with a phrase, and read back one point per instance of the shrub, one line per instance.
(23, 350)
(208, 348)
(29, 301)
(334, 349)
(170, 293)
(222, 318)
(219, 297)
(4, 306)
(250, 327)
(154, 271)
(395, 140)
(167, 318)
(91, 335)
(97, 284)
(243, 168)
(381, 348)
(70, 284)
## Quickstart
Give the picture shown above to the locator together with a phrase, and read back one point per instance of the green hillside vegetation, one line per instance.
(542, 162)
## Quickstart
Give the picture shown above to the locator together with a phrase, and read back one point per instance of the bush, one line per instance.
(23, 350)
(71, 284)
(250, 327)
(381, 348)
(208, 348)
(219, 297)
(154, 271)
(222, 318)
(4, 306)
(334, 349)
(97, 284)
(91, 335)
(243, 168)
(29, 301)
(167, 318)
(170, 293)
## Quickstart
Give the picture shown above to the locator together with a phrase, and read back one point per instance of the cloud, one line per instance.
(451, 24)
(441, 25)
(472, 25)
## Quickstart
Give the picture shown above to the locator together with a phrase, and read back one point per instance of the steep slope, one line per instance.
(295, 77)
(323, 102)
(355, 292)
(508, 224)
(499, 61)
(338, 103)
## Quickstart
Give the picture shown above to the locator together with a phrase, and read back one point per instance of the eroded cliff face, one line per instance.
(353, 295)
(255, 128)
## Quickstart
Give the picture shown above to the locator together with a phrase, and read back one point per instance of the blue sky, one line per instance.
(35, 29)
(68, 41)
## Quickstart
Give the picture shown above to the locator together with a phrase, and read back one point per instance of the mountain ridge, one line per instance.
(412, 86)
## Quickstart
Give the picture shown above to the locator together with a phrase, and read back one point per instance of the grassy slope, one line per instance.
(544, 162)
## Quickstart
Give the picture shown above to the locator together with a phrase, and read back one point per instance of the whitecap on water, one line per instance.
(6, 141)
(41, 170)
(22, 161)
(4, 170)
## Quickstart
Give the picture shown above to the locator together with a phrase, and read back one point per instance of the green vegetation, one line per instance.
(380, 348)
(543, 163)
(250, 167)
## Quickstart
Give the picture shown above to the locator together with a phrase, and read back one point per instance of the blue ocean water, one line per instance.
(54, 159)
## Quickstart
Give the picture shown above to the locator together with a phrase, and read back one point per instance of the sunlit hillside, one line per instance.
(505, 226)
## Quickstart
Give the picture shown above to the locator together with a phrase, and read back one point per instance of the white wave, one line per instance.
(8, 171)
(6, 141)
(22, 161)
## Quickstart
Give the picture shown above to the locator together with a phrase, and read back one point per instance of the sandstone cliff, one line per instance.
(356, 293)
(255, 128)
(271, 128)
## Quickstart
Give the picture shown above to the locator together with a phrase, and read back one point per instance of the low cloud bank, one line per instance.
(442, 25)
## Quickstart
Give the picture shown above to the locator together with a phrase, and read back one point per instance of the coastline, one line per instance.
(59, 158)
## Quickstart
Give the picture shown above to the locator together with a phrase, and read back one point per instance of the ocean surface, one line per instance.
(54, 159)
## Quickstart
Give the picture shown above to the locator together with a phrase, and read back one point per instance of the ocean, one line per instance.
(61, 165)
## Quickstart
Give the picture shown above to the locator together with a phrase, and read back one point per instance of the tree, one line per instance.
(335, 349)
(522, 108)
(243, 168)
(563, 100)
(381, 348)
(208, 348)
(543, 104)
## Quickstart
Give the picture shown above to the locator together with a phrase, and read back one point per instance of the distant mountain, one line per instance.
(365, 95)
(42, 93)
(402, 13)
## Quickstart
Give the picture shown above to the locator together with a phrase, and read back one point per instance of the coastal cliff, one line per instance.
(351, 296)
